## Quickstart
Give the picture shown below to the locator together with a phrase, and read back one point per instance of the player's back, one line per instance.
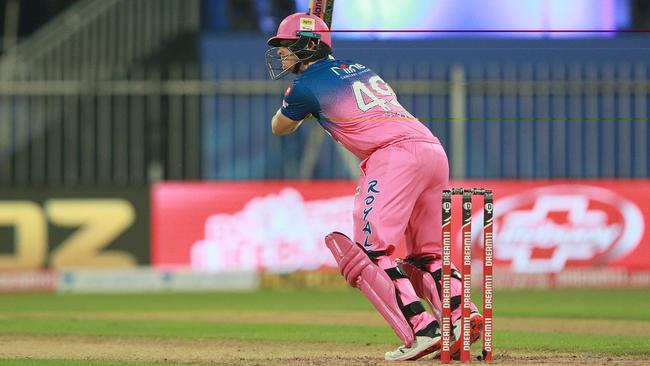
(355, 106)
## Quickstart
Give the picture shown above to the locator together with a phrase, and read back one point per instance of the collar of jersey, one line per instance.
(319, 63)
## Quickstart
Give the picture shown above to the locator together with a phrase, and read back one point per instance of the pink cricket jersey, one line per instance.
(354, 105)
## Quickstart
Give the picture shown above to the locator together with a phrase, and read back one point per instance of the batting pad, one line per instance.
(362, 273)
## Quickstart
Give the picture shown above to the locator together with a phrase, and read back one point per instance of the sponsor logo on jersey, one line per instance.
(286, 92)
(344, 69)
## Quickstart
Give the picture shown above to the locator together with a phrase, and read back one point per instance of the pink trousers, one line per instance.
(400, 193)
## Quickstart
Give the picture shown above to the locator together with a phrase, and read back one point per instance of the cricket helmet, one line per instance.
(301, 34)
(300, 24)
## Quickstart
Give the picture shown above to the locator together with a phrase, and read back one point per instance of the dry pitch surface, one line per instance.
(217, 352)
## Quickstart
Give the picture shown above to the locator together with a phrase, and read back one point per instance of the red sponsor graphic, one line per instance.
(275, 226)
(279, 226)
(288, 91)
(549, 227)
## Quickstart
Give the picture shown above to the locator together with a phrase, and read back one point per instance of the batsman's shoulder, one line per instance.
(300, 91)
(297, 86)
(307, 83)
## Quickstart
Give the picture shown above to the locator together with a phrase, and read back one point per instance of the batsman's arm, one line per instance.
(283, 125)
(299, 103)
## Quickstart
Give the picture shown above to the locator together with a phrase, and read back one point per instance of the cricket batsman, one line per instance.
(404, 169)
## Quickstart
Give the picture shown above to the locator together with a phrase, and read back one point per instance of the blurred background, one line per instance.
(136, 134)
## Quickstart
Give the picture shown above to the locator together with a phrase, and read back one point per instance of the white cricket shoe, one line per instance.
(427, 340)
(421, 346)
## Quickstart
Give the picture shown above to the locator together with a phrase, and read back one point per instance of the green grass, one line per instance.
(262, 300)
(614, 304)
(196, 329)
(17, 318)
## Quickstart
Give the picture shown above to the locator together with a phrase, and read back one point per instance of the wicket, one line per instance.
(466, 301)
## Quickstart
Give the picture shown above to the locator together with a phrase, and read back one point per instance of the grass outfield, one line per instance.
(305, 327)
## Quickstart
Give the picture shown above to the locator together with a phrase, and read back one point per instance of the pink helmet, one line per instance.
(301, 22)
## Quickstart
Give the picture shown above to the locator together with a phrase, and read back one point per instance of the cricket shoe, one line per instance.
(427, 340)
(476, 327)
